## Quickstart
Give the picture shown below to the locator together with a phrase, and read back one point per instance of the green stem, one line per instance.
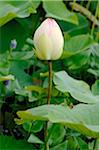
(49, 82)
(93, 25)
(85, 12)
(74, 1)
(88, 4)
(48, 101)
(10, 52)
(82, 2)
(95, 142)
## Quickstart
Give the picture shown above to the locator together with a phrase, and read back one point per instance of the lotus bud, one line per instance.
(48, 40)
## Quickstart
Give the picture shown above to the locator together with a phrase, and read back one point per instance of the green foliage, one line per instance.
(78, 89)
(60, 146)
(73, 113)
(57, 134)
(33, 127)
(74, 45)
(34, 139)
(19, 66)
(95, 88)
(4, 78)
(62, 13)
(12, 9)
(83, 118)
(10, 143)
(75, 29)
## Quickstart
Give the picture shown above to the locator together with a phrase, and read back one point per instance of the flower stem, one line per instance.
(49, 81)
(48, 100)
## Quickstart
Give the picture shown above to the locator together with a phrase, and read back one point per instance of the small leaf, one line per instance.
(34, 139)
(37, 126)
(34, 126)
(34, 88)
(57, 134)
(95, 88)
(82, 144)
(27, 126)
(62, 146)
(95, 72)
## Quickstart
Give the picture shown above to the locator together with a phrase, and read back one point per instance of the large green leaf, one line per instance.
(82, 118)
(77, 88)
(17, 69)
(10, 143)
(77, 44)
(83, 54)
(59, 11)
(76, 61)
(12, 30)
(12, 9)
(73, 29)
(17, 27)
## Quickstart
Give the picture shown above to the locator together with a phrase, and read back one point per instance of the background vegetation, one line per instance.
(74, 122)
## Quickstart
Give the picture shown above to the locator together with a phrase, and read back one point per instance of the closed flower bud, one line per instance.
(13, 44)
(48, 40)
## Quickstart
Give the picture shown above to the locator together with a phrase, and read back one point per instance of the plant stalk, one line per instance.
(48, 100)
(10, 52)
(96, 14)
(85, 12)
(88, 4)
(49, 81)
